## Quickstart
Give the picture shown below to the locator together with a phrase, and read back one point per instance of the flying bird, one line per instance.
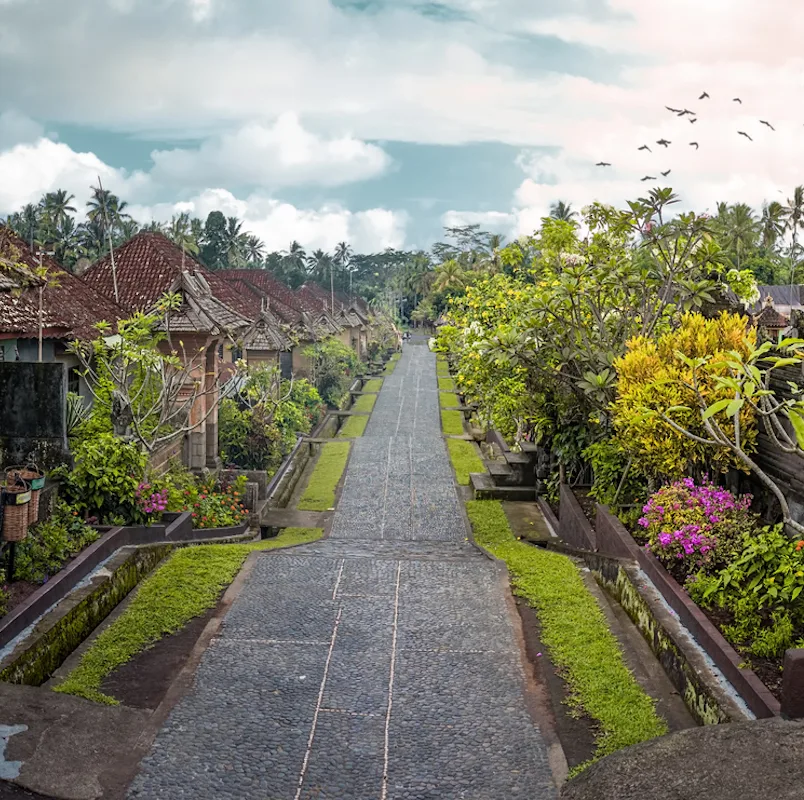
(764, 122)
(743, 133)
(693, 119)
(695, 144)
(648, 178)
(602, 164)
(645, 147)
(703, 96)
(666, 173)
(685, 111)
(737, 100)
(664, 142)
(674, 110)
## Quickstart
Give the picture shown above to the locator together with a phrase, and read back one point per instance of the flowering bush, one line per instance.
(692, 528)
(151, 501)
(214, 507)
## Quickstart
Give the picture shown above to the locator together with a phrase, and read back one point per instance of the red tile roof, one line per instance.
(282, 299)
(769, 317)
(71, 309)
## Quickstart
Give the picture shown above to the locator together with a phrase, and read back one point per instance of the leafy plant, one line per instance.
(762, 589)
(105, 478)
(333, 366)
(78, 412)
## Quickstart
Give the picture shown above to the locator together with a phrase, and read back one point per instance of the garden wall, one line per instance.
(33, 409)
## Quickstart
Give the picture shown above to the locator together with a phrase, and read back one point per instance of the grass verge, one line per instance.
(373, 385)
(442, 370)
(575, 633)
(320, 492)
(364, 403)
(189, 583)
(389, 368)
(446, 385)
(465, 459)
(448, 399)
(354, 426)
(452, 423)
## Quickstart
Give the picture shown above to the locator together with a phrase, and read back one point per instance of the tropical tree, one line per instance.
(794, 221)
(57, 204)
(449, 275)
(343, 259)
(180, 233)
(254, 250)
(563, 211)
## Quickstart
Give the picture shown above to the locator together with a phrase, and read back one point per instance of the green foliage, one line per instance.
(333, 366)
(185, 586)
(762, 590)
(614, 471)
(320, 492)
(575, 633)
(353, 427)
(105, 478)
(364, 403)
(211, 505)
(465, 459)
(51, 543)
(78, 412)
(452, 423)
(653, 378)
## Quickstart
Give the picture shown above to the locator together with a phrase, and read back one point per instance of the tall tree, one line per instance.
(180, 233)
(563, 211)
(254, 250)
(794, 221)
(57, 204)
(213, 252)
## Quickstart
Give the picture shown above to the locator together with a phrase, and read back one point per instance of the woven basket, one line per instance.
(35, 478)
(16, 503)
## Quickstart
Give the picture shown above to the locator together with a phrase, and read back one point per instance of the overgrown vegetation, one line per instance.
(185, 586)
(319, 495)
(575, 633)
(464, 459)
(333, 366)
(452, 423)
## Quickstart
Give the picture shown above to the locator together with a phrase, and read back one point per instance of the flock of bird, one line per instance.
(692, 119)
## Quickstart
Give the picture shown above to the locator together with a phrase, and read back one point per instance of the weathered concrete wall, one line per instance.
(64, 628)
(33, 424)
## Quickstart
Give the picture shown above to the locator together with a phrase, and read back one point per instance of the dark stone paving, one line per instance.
(380, 664)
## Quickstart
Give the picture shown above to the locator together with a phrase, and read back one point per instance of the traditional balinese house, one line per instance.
(70, 309)
(147, 267)
(769, 321)
(301, 325)
(353, 325)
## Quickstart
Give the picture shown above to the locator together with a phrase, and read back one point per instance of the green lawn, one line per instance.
(452, 423)
(364, 403)
(374, 385)
(389, 367)
(320, 492)
(446, 385)
(465, 459)
(354, 426)
(448, 399)
(184, 587)
(575, 633)
(442, 370)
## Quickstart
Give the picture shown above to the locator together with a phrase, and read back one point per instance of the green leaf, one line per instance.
(734, 406)
(797, 420)
(716, 408)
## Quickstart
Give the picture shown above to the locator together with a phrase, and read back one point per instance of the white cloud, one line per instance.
(16, 128)
(278, 223)
(283, 154)
(494, 221)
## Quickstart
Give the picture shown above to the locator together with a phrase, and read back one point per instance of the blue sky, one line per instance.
(380, 121)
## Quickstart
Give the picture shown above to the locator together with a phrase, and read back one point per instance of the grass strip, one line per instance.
(320, 492)
(389, 368)
(452, 423)
(186, 585)
(448, 399)
(465, 459)
(442, 370)
(575, 633)
(446, 385)
(441, 358)
(353, 427)
(364, 403)
(373, 385)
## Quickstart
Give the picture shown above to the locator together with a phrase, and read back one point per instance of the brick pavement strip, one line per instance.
(380, 664)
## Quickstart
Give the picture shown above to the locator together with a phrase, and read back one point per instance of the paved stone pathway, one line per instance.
(379, 664)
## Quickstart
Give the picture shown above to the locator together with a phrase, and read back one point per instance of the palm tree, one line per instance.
(154, 226)
(128, 228)
(67, 242)
(235, 243)
(294, 264)
(343, 259)
(255, 250)
(563, 211)
(449, 275)
(772, 225)
(319, 266)
(107, 210)
(180, 233)
(794, 220)
(740, 229)
(57, 204)
(27, 223)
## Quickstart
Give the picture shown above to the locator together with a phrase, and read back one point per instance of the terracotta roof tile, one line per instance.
(769, 317)
(71, 309)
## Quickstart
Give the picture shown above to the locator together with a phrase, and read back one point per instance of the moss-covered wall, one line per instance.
(65, 628)
(699, 698)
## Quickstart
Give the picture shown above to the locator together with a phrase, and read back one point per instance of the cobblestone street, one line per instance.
(380, 663)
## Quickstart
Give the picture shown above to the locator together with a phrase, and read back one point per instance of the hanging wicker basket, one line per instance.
(16, 505)
(35, 478)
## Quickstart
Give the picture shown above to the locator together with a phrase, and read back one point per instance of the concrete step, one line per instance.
(530, 447)
(503, 475)
(484, 488)
(517, 459)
